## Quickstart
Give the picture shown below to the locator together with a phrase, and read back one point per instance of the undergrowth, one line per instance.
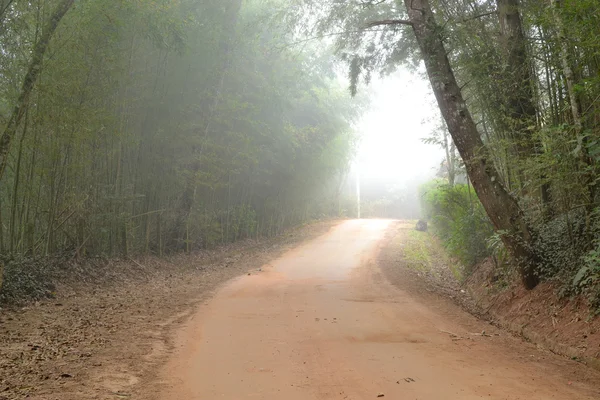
(416, 252)
(459, 220)
(27, 279)
(568, 245)
(421, 253)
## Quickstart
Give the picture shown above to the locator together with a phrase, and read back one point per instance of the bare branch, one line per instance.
(479, 16)
(287, 45)
(371, 3)
(388, 22)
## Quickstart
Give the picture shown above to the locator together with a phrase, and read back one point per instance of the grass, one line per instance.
(417, 252)
(422, 252)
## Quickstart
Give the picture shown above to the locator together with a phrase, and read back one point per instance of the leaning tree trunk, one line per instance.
(35, 67)
(502, 209)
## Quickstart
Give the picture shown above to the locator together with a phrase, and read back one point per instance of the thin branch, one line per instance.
(372, 3)
(487, 14)
(287, 45)
(466, 84)
(388, 22)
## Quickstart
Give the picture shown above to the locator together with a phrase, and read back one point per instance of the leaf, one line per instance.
(577, 280)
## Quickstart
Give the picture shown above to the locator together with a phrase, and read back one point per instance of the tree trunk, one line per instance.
(449, 149)
(35, 67)
(575, 103)
(566, 66)
(518, 96)
(502, 209)
(521, 107)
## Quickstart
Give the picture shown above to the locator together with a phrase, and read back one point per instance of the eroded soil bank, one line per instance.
(564, 326)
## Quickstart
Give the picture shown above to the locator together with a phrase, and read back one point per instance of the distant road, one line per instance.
(322, 322)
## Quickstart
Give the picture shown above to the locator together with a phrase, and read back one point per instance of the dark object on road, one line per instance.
(421, 226)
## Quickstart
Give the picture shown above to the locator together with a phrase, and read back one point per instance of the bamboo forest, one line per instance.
(144, 126)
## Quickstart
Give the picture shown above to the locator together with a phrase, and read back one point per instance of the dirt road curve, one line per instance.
(322, 323)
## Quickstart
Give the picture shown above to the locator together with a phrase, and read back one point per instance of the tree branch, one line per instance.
(327, 35)
(388, 22)
(487, 14)
(371, 3)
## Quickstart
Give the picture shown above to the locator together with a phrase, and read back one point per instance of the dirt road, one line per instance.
(321, 322)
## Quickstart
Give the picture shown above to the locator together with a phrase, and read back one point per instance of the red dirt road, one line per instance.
(321, 322)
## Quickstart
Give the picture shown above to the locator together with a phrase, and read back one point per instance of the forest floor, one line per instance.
(96, 341)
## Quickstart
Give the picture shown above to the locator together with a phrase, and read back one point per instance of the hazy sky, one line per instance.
(403, 111)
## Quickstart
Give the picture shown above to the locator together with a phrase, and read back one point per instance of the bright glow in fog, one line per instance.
(403, 111)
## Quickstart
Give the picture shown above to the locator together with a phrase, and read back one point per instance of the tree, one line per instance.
(518, 84)
(159, 126)
(450, 165)
(501, 207)
(519, 89)
(30, 79)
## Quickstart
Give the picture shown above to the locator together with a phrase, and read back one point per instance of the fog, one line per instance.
(392, 160)
(176, 132)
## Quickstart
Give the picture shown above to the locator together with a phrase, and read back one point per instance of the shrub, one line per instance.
(560, 243)
(458, 219)
(27, 278)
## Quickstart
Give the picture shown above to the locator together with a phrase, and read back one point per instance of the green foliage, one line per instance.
(458, 219)
(587, 279)
(530, 72)
(561, 242)
(161, 126)
(584, 278)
